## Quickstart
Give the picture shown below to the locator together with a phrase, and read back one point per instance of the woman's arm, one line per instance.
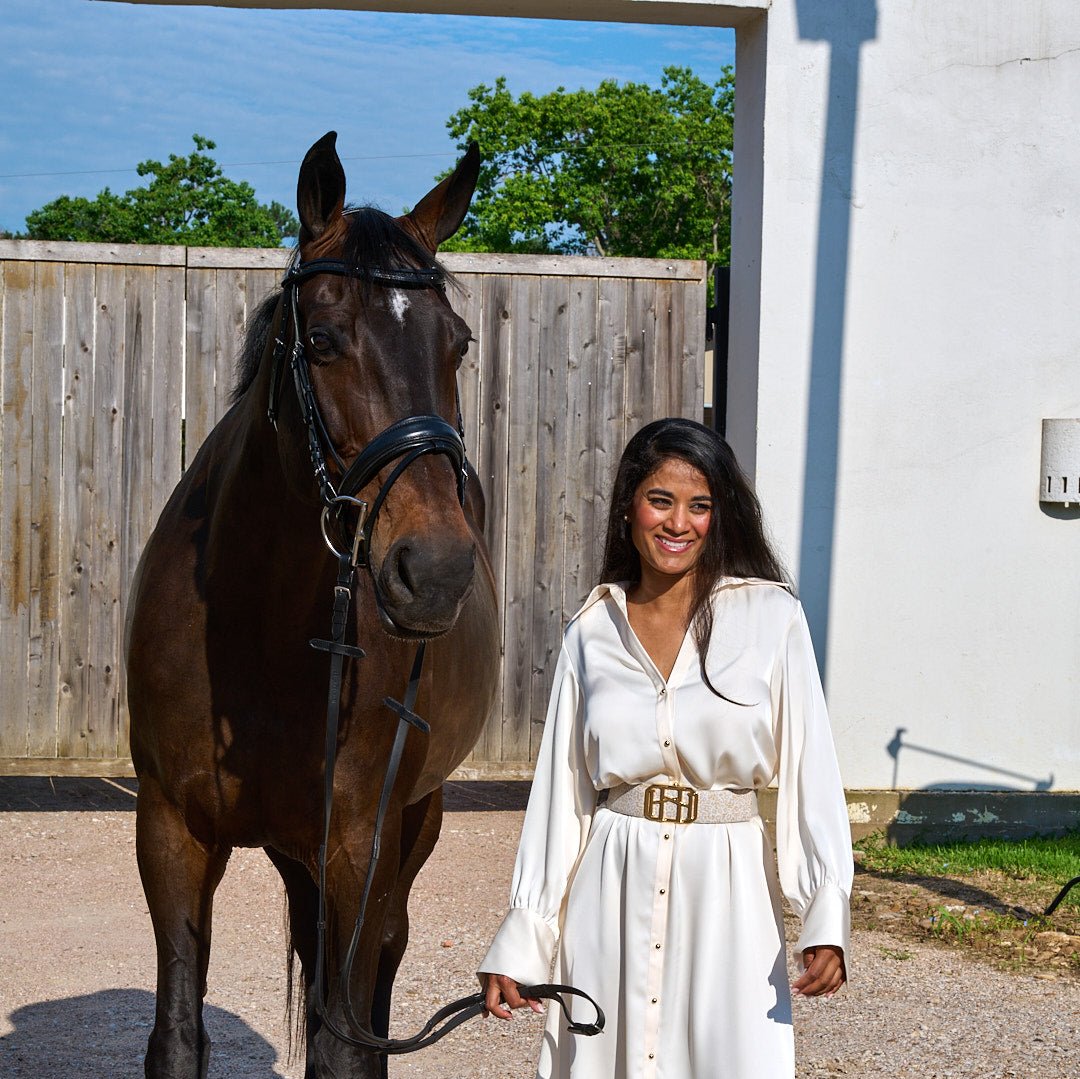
(813, 836)
(561, 804)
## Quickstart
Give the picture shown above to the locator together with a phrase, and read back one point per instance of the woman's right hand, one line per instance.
(501, 995)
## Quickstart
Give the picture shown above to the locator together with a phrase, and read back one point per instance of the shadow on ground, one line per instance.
(68, 793)
(951, 889)
(104, 1034)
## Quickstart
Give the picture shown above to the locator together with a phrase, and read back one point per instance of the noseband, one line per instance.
(403, 442)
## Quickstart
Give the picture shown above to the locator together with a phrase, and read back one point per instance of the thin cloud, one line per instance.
(107, 85)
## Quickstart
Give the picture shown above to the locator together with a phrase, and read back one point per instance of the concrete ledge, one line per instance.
(92, 767)
(901, 817)
(936, 816)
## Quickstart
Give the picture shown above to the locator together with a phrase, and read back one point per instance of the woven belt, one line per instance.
(673, 804)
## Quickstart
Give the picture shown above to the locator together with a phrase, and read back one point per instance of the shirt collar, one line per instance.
(618, 589)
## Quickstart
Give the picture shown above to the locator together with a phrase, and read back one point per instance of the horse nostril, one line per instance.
(403, 573)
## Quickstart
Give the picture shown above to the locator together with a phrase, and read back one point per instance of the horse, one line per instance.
(228, 701)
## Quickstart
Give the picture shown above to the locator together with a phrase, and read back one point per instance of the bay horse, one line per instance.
(228, 702)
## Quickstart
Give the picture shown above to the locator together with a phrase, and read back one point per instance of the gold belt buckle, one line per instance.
(671, 804)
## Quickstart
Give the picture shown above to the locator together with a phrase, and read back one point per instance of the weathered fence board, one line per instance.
(552, 409)
(76, 508)
(16, 450)
(42, 659)
(116, 362)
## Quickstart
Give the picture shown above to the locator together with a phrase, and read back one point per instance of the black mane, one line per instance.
(374, 241)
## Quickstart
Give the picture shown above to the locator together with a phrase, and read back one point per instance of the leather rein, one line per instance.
(349, 541)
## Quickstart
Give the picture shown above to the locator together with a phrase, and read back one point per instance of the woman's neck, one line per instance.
(663, 593)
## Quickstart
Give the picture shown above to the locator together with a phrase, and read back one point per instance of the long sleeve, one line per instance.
(813, 836)
(561, 804)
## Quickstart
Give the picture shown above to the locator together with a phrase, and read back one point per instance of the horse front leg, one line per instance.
(420, 827)
(179, 875)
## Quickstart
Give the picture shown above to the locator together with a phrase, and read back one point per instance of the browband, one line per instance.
(406, 277)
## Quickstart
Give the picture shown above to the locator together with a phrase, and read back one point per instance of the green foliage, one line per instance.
(187, 201)
(619, 170)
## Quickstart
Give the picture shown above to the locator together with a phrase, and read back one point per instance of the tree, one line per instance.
(187, 201)
(619, 170)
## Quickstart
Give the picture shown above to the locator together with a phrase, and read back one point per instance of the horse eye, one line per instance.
(320, 342)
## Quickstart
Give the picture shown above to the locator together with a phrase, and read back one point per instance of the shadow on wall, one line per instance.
(104, 1034)
(846, 27)
(897, 744)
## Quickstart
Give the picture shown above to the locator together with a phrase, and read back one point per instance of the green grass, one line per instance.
(1051, 859)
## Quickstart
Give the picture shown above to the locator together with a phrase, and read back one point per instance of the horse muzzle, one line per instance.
(422, 586)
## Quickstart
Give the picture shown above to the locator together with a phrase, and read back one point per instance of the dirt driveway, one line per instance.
(76, 963)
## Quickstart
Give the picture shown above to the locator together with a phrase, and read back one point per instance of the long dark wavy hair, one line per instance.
(736, 544)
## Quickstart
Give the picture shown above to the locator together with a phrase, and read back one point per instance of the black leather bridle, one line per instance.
(402, 442)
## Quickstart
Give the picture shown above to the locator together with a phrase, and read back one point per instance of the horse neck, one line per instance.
(265, 471)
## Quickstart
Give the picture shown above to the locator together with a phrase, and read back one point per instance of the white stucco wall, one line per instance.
(925, 280)
(905, 266)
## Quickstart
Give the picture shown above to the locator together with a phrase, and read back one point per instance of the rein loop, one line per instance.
(402, 442)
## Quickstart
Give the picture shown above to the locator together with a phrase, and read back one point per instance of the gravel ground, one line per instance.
(76, 964)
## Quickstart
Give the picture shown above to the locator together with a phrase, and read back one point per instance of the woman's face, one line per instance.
(669, 518)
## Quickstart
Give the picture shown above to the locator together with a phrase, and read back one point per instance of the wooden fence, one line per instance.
(115, 362)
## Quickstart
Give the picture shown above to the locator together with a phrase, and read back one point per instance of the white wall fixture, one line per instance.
(1059, 477)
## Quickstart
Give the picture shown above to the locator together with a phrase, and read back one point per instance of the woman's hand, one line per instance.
(824, 972)
(501, 994)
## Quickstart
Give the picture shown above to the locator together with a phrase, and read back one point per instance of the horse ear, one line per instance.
(320, 190)
(439, 214)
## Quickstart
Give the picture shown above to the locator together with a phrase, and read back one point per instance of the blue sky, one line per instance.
(93, 87)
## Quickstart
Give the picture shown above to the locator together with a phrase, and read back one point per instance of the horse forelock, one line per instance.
(375, 241)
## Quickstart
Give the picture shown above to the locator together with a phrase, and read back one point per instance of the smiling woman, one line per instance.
(685, 684)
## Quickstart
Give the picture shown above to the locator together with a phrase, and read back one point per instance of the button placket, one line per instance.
(657, 949)
(665, 845)
(664, 735)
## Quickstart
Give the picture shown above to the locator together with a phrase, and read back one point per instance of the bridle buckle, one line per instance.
(358, 553)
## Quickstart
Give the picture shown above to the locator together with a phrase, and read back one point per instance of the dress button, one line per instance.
(658, 947)
(667, 835)
(654, 1000)
(663, 891)
(652, 1056)
(666, 743)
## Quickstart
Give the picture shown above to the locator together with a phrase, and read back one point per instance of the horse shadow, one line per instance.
(104, 1034)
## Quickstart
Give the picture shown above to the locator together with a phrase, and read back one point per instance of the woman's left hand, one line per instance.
(824, 972)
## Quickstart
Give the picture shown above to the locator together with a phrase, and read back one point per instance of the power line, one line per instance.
(224, 165)
(291, 161)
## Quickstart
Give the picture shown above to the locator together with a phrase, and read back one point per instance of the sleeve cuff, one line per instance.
(522, 949)
(827, 921)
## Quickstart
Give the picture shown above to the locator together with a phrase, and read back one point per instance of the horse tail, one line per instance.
(296, 998)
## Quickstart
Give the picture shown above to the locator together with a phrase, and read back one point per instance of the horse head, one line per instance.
(379, 347)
